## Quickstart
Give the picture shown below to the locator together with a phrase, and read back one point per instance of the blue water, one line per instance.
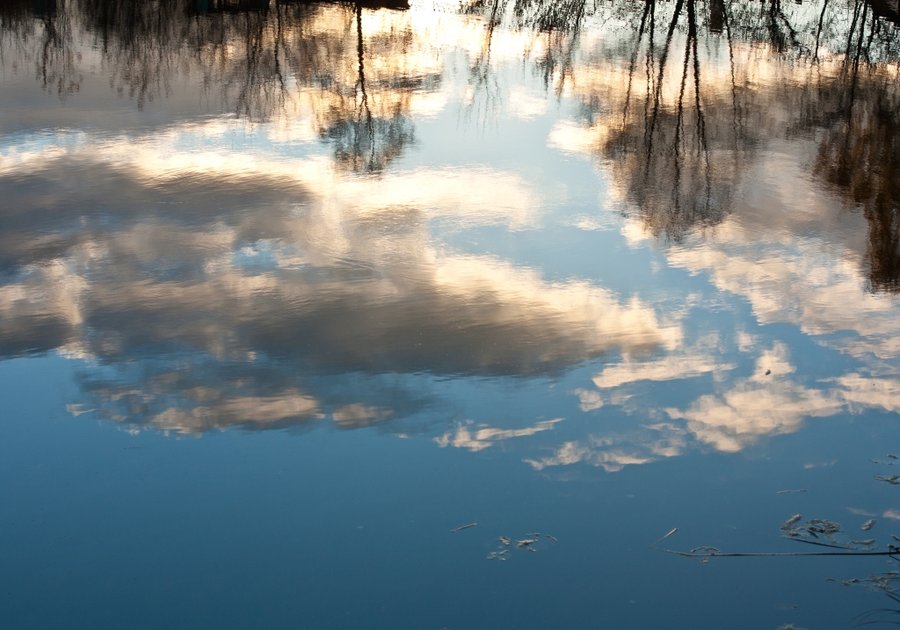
(333, 529)
(327, 316)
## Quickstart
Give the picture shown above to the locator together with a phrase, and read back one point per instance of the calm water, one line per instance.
(290, 291)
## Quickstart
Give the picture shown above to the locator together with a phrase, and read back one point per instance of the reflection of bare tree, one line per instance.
(681, 151)
(559, 57)
(681, 160)
(686, 136)
(139, 40)
(253, 51)
(44, 34)
(57, 66)
(482, 81)
(559, 23)
(20, 15)
(258, 58)
(859, 150)
(367, 142)
(679, 156)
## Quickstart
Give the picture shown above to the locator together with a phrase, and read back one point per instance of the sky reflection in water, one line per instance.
(590, 237)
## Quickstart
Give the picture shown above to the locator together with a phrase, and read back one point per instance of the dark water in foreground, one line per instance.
(290, 291)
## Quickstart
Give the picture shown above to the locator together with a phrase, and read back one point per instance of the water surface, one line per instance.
(289, 291)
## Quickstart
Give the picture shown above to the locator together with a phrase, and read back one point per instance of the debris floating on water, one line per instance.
(462, 527)
(868, 525)
(532, 542)
(705, 550)
(788, 524)
(669, 533)
(796, 537)
(823, 526)
(792, 491)
(893, 479)
(813, 528)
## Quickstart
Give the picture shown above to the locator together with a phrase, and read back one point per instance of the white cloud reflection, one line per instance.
(735, 419)
(295, 261)
(668, 368)
(588, 400)
(768, 402)
(222, 411)
(790, 273)
(866, 392)
(614, 453)
(479, 437)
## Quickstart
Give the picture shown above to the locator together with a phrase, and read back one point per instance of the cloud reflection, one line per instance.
(216, 411)
(248, 267)
(768, 402)
(671, 367)
(480, 437)
(613, 453)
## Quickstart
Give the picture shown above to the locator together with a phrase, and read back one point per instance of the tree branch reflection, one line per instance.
(258, 58)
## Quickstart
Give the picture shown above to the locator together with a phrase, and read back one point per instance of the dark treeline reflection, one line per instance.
(858, 113)
(692, 114)
(860, 155)
(709, 84)
(251, 56)
(681, 156)
(684, 158)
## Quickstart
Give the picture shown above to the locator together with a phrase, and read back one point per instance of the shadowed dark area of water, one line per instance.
(449, 315)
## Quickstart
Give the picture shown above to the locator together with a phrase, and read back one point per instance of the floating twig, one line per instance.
(462, 527)
(669, 533)
(706, 552)
(817, 543)
(498, 555)
(788, 524)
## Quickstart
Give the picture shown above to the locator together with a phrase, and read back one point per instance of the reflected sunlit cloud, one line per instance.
(479, 437)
